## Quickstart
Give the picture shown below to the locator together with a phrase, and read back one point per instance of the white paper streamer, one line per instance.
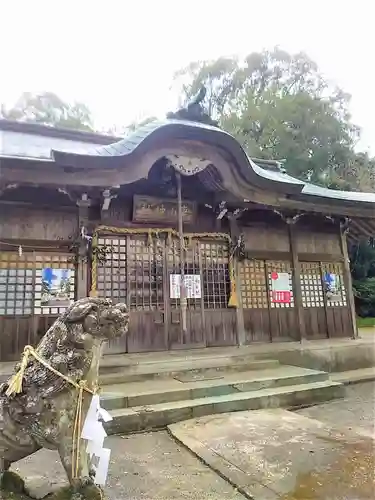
(93, 431)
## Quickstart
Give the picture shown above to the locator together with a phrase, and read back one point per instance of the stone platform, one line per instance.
(152, 390)
(163, 389)
(155, 403)
(279, 455)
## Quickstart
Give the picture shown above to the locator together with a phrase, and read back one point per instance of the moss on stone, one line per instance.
(12, 482)
(13, 488)
(8, 495)
(93, 492)
(62, 494)
(90, 492)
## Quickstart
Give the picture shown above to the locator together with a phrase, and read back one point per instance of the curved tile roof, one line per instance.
(256, 174)
(335, 194)
(105, 156)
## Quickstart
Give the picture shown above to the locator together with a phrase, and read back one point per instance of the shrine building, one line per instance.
(206, 246)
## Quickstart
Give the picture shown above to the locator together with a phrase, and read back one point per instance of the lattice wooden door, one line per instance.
(134, 272)
(313, 300)
(337, 307)
(195, 334)
(265, 318)
(209, 320)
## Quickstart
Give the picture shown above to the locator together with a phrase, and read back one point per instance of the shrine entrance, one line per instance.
(143, 269)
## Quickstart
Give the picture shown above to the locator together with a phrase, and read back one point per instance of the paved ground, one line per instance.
(357, 410)
(281, 455)
(146, 467)
(152, 466)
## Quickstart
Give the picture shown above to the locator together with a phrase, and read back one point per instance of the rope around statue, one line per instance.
(15, 387)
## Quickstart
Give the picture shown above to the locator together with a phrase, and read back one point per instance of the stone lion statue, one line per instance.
(43, 413)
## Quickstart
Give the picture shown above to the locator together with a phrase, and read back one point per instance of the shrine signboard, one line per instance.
(280, 288)
(150, 209)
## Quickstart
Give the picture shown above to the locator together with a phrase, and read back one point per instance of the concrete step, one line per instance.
(163, 391)
(195, 369)
(354, 376)
(157, 416)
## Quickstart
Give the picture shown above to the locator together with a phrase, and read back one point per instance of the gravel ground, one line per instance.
(355, 411)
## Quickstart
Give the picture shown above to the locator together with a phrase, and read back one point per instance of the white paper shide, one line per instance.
(93, 431)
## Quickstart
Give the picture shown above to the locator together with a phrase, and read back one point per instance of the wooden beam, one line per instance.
(320, 257)
(330, 209)
(348, 282)
(296, 272)
(268, 255)
(314, 206)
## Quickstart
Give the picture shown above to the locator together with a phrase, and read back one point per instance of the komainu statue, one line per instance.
(41, 413)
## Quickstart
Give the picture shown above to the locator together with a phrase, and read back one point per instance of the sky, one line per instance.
(119, 56)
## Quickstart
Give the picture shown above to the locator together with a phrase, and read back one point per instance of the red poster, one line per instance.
(281, 297)
(280, 288)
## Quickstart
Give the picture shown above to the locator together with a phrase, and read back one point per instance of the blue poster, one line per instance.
(56, 287)
(332, 284)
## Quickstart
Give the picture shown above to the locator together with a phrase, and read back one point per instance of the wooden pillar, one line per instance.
(348, 279)
(297, 292)
(82, 267)
(240, 324)
(183, 298)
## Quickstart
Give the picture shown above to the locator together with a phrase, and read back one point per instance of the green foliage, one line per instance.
(364, 294)
(365, 322)
(47, 108)
(362, 257)
(279, 106)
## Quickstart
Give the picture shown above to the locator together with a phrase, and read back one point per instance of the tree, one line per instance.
(279, 106)
(49, 109)
(362, 258)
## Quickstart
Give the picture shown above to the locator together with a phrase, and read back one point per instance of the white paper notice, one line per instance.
(192, 285)
(281, 283)
(102, 469)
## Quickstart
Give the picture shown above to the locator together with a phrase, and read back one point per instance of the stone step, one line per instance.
(158, 416)
(195, 369)
(163, 391)
(354, 376)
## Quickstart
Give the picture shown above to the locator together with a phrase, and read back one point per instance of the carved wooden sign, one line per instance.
(149, 209)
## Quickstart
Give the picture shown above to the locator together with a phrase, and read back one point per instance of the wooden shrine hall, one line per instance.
(206, 246)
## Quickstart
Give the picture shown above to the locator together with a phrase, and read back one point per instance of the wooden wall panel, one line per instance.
(317, 242)
(20, 223)
(119, 213)
(266, 238)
